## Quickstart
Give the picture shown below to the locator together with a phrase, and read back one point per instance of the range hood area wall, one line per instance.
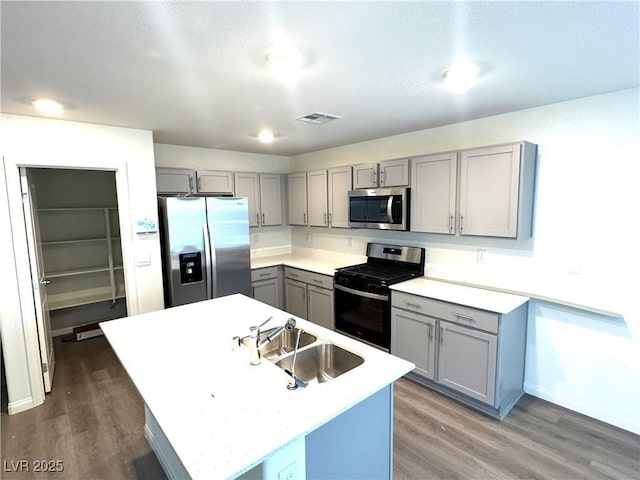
(578, 250)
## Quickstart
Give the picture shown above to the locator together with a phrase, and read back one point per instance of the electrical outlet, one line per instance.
(481, 255)
(350, 241)
(288, 473)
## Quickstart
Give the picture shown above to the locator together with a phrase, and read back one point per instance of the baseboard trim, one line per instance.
(20, 405)
(607, 416)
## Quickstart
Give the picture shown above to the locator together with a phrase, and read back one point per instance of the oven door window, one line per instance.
(362, 317)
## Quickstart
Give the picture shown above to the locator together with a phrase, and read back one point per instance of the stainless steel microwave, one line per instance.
(379, 208)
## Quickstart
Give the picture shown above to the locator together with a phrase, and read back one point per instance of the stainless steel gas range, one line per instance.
(362, 295)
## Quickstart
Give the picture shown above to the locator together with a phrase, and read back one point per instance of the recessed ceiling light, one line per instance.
(460, 77)
(48, 107)
(266, 136)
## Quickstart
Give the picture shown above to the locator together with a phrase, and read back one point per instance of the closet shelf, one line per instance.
(81, 271)
(79, 240)
(78, 298)
(70, 209)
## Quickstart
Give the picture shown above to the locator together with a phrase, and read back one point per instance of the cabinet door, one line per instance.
(467, 361)
(412, 338)
(317, 198)
(339, 185)
(433, 193)
(211, 181)
(270, 199)
(394, 173)
(489, 183)
(365, 176)
(297, 191)
(175, 180)
(267, 291)
(321, 306)
(295, 297)
(246, 185)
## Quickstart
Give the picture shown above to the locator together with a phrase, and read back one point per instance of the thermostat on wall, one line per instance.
(146, 226)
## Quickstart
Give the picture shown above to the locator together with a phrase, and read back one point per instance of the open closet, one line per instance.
(79, 240)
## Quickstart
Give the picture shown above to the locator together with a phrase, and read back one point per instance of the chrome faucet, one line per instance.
(255, 344)
(295, 382)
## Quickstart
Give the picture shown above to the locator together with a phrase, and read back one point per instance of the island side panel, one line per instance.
(171, 464)
(358, 444)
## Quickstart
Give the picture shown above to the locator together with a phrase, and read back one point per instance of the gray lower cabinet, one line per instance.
(309, 295)
(473, 355)
(266, 285)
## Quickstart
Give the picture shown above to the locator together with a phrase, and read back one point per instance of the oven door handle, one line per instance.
(359, 293)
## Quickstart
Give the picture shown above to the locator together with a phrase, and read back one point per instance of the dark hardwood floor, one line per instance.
(93, 422)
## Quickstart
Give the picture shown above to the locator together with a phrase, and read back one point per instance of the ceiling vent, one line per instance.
(318, 118)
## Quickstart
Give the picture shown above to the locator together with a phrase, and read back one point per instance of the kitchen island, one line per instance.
(210, 414)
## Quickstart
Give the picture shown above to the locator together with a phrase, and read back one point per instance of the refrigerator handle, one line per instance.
(208, 261)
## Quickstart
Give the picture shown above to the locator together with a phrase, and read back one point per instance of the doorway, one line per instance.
(75, 249)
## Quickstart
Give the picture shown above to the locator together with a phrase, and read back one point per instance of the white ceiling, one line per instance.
(193, 72)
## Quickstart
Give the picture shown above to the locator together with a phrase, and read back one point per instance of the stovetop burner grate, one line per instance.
(380, 273)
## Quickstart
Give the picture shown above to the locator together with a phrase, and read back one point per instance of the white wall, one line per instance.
(212, 159)
(264, 240)
(34, 142)
(585, 219)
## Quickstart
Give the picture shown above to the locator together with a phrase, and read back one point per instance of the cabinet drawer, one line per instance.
(264, 273)
(317, 279)
(295, 274)
(452, 312)
(320, 280)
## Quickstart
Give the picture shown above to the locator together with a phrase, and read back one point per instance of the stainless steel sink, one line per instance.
(321, 363)
(284, 343)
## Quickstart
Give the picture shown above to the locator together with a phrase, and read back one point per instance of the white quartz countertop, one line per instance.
(319, 261)
(221, 415)
(470, 296)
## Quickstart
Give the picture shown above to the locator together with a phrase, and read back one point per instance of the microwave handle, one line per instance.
(390, 209)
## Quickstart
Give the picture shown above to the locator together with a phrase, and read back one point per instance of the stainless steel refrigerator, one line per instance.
(205, 242)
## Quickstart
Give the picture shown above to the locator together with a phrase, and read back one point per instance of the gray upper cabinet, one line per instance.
(339, 184)
(264, 195)
(183, 180)
(365, 176)
(496, 190)
(248, 185)
(317, 198)
(389, 173)
(214, 181)
(270, 199)
(433, 193)
(297, 198)
(482, 192)
(175, 180)
(394, 173)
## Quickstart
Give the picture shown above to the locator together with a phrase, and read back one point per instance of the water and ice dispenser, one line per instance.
(190, 268)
